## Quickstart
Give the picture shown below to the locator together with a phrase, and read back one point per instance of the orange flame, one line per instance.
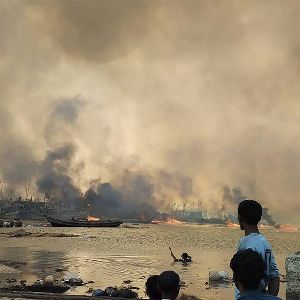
(230, 224)
(170, 221)
(286, 228)
(91, 218)
(173, 221)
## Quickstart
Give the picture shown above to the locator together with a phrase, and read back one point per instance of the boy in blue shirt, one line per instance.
(249, 215)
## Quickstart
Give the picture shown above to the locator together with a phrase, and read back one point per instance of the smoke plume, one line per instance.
(167, 101)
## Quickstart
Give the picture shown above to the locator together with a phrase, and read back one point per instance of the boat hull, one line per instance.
(82, 223)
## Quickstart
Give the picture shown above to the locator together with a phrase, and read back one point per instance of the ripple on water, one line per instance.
(110, 255)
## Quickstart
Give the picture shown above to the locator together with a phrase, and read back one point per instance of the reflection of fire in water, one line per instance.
(91, 218)
(173, 221)
(230, 224)
(169, 221)
(286, 228)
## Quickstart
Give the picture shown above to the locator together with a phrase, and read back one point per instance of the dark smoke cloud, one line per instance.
(54, 174)
(205, 89)
(233, 196)
(267, 216)
(107, 201)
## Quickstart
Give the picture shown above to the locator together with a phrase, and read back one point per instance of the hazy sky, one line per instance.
(192, 95)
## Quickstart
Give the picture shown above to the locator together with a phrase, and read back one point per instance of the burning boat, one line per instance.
(89, 222)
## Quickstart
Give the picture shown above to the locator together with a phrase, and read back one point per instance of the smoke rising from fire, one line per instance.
(167, 101)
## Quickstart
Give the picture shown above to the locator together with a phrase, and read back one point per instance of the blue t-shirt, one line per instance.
(257, 242)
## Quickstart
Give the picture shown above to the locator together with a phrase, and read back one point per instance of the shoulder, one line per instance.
(255, 241)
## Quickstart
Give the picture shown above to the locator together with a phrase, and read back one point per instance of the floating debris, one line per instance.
(60, 269)
(127, 281)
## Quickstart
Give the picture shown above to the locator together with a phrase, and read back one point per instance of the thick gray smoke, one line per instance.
(267, 216)
(54, 178)
(107, 201)
(232, 196)
(204, 90)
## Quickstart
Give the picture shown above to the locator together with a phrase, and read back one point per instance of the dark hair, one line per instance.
(250, 211)
(184, 255)
(152, 288)
(248, 268)
(168, 283)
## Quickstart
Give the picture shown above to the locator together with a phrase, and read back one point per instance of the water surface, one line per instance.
(109, 256)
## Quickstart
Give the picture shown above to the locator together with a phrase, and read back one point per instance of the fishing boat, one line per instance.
(94, 222)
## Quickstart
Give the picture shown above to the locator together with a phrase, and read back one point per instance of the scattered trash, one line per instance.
(47, 285)
(60, 269)
(90, 291)
(11, 280)
(127, 281)
(23, 282)
(124, 292)
(133, 287)
(98, 293)
(73, 279)
(219, 277)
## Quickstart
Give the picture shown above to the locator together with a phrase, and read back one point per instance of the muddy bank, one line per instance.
(10, 266)
(23, 233)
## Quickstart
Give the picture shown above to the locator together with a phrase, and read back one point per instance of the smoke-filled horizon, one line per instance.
(167, 101)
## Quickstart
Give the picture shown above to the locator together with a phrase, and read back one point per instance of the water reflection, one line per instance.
(109, 257)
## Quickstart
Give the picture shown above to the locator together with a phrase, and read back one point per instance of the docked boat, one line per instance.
(82, 223)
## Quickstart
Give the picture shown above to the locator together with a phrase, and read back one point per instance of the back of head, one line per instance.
(184, 255)
(248, 269)
(152, 288)
(250, 211)
(169, 284)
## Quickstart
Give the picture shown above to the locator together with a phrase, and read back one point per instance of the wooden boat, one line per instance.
(81, 223)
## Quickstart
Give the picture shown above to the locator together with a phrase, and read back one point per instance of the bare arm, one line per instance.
(174, 257)
(274, 286)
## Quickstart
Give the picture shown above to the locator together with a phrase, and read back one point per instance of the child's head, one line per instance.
(169, 284)
(152, 288)
(185, 256)
(249, 213)
(248, 269)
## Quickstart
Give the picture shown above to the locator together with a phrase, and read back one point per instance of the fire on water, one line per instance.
(286, 228)
(230, 224)
(91, 218)
(170, 221)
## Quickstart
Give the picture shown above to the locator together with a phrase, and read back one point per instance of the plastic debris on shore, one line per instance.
(219, 279)
(46, 285)
(73, 279)
(124, 292)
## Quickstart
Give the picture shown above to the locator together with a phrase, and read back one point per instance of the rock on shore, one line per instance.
(292, 265)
